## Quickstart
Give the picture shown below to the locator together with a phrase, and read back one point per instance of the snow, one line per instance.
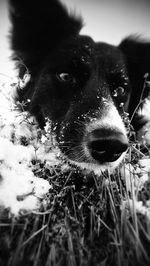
(136, 176)
(137, 206)
(20, 189)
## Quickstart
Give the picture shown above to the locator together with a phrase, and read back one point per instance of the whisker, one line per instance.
(80, 123)
(78, 155)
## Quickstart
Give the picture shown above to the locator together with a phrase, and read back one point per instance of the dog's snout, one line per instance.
(106, 145)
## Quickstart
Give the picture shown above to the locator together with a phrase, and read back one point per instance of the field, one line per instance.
(53, 213)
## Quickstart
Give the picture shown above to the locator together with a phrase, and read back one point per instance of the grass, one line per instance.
(84, 220)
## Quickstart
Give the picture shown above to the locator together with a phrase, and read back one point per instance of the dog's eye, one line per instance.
(65, 77)
(120, 91)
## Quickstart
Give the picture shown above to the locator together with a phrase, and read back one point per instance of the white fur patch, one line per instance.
(145, 109)
(144, 133)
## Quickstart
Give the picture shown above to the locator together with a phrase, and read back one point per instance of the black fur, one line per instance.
(137, 60)
(46, 38)
(39, 27)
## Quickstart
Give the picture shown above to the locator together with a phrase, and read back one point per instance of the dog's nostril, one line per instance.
(106, 145)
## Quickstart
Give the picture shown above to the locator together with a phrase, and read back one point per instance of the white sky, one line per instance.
(105, 20)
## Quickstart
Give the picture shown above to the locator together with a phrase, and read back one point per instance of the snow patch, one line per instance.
(20, 144)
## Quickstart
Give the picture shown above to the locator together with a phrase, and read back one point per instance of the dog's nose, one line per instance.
(106, 145)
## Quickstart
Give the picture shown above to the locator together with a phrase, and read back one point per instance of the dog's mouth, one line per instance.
(98, 167)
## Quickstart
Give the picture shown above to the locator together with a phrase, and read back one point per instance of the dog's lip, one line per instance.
(104, 158)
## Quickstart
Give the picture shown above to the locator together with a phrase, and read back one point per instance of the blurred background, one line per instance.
(104, 20)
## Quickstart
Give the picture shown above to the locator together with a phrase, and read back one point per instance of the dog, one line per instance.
(84, 87)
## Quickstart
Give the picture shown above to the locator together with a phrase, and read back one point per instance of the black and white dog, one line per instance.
(83, 87)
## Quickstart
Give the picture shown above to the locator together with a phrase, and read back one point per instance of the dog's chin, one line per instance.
(98, 168)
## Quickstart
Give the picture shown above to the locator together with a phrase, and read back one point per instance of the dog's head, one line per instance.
(84, 87)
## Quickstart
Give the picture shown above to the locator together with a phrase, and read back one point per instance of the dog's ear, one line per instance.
(40, 26)
(137, 58)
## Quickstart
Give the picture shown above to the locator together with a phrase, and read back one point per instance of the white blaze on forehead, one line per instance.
(110, 119)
